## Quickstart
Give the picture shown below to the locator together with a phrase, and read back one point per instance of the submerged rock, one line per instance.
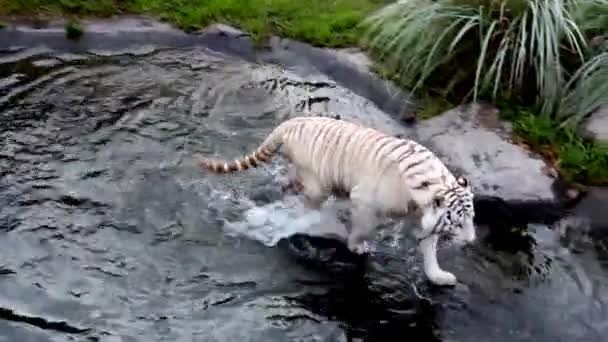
(472, 140)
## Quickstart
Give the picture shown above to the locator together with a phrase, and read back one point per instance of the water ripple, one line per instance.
(107, 222)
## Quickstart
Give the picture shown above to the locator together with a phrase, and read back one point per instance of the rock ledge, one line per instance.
(472, 140)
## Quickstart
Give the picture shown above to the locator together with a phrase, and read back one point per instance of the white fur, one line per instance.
(382, 174)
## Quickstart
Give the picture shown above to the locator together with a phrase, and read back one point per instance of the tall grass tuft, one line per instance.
(586, 91)
(536, 51)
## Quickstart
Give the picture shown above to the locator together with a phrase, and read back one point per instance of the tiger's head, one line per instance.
(450, 214)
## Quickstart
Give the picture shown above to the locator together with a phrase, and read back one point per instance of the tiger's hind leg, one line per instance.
(312, 190)
(363, 225)
(364, 220)
(294, 184)
(305, 183)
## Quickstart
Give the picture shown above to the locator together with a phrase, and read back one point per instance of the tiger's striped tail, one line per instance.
(261, 155)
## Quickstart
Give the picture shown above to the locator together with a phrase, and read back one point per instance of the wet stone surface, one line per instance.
(596, 125)
(473, 139)
(109, 231)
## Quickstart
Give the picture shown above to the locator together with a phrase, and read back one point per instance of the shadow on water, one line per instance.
(373, 304)
(109, 231)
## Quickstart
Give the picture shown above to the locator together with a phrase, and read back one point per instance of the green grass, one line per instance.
(577, 159)
(550, 55)
(485, 49)
(331, 23)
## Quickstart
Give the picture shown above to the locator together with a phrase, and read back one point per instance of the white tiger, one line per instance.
(380, 173)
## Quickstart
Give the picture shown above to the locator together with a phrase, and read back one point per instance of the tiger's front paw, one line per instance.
(442, 278)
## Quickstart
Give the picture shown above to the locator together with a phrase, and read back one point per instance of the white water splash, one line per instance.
(281, 219)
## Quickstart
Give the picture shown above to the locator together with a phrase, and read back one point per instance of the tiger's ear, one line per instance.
(462, 181)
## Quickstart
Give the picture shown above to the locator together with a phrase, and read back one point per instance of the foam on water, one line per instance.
(283, 218)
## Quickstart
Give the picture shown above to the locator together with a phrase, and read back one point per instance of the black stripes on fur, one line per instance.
(260, 156)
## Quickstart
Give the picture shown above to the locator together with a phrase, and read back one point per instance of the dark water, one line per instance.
(109, 232)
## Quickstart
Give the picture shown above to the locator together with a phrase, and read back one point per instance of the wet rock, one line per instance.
(574, 233)
(305, 91)
(6, 271)
(349, 69)
(587, 220)
(138, 51)
(70, 57)
(596, 126)
(11, 315)
(321, 253)
(46, 63)
(266, 194)
(473, 141)
(593, 206)
(223, 29)
(10, 81)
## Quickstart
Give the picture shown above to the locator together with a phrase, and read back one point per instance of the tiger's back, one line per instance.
(331, 155)
(344, 155)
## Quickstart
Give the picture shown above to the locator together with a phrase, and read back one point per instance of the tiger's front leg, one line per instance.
(436, 275)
